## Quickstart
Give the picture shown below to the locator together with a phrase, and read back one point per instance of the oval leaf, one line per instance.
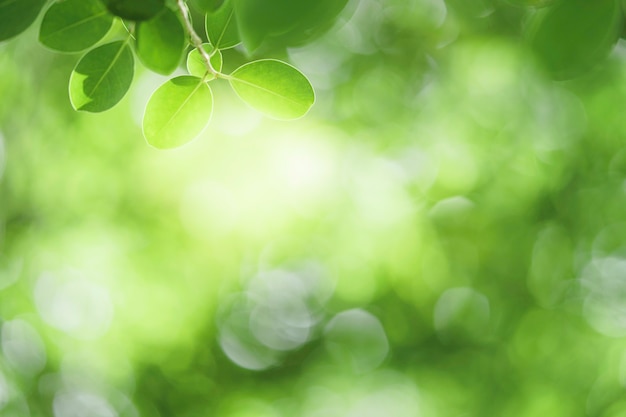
(177, 112)
(572, 36)
(161, 42)
(274, 88)
(102, 77)
(135, 9)
(74, 25)
(196, 65)
(221, 26)
(17, 15)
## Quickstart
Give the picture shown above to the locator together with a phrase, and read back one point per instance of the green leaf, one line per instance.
(573, 36)
(17, 15)
(177, 112)
(102, 77)
(284, 22)
(221, 26)
(74, 25)
(207, 5)
(532, 3)
(135, 9)
(195, 62)
(274, 88)
(161, 42)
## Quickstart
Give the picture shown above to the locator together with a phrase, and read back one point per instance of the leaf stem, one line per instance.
(195, 39)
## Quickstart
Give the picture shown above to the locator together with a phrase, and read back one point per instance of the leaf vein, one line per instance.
(299, 103)
(219, 40)
(179, 109)
(73, 25)
(108, 69)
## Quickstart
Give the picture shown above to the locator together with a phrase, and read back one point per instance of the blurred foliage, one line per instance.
(443, 235)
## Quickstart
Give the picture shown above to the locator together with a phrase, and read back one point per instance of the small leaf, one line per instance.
(17, 15)
(74, 25)
(177, 112)
(161, 42)
(274, 88)
(195, 62)
(102, 77)
(221, 26)
(135, 9)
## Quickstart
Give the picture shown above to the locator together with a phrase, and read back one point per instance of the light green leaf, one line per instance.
(74, 25)
(17, 15)
(161, 42)
(274, 88)
(221, 26)
(195, 62)
(102, 77)
(177, 112)
(135, 9)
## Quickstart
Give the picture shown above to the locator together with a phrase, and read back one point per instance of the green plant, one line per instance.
(159, 33)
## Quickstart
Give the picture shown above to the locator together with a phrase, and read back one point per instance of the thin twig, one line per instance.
(195, 39)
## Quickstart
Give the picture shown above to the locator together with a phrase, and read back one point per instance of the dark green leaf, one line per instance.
(102, 77)
(470, 9)
(573, 36)
(135, 9)
(195, 62)
(161, 42)
(221, 26)
(207, 5)
(274, 88)
(532, 3)
(74, 25)
(177, 112)
(284, 22)
(17, 15)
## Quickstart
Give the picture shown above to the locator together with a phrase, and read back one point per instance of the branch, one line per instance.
(195, 39)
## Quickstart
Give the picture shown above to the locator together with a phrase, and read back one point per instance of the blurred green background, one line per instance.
(443, 235)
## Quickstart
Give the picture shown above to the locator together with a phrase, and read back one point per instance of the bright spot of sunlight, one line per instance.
(22, 347)
(77, 306)
(356, 340)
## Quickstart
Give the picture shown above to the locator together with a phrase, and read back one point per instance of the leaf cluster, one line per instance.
(160, 33)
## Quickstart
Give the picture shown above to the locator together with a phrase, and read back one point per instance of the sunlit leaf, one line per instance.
(177, 112)
(161, 42)
(17, 15)
(274, 88)
(573, 36)
(135, 9)
(221, 26)
(74, 25)
(196, 65)
(102, 77)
